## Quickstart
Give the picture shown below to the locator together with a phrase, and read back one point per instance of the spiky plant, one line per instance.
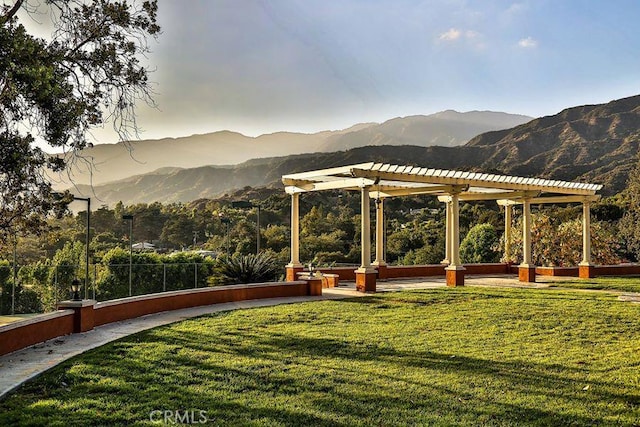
(251, 268)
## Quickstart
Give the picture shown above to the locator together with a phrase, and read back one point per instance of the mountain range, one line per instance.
(591, 143)
(111, 162)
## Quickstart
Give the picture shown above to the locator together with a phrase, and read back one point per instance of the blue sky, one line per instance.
(258, 66)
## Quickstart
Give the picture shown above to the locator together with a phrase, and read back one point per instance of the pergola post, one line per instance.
(585, 268)
(294, 265)
(455, 271)
(508, 214)
(380, 263)
(447, 233)
(366, 274)
(526, 270)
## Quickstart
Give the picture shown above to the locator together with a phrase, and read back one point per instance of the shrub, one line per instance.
(247, 268)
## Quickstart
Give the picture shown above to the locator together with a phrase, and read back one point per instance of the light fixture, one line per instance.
(75, 288)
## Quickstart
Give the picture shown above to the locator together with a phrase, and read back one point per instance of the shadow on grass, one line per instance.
(252, 374)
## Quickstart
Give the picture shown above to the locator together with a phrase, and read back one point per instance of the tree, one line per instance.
(178, 230)
(315, 223)
(68, 262)
(480, 245)
(87, 73)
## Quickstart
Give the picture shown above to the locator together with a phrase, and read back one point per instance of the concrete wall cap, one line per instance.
(76, 304)
(192, 291)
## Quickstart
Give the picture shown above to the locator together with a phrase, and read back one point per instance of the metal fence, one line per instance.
(38, 288)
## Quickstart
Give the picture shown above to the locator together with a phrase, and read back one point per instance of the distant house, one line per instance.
(203, 253)
(143, 246)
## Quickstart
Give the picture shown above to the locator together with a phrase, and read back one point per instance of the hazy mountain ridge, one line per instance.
(447, 128)
(595, 143)
(118, 161)
(213, 181)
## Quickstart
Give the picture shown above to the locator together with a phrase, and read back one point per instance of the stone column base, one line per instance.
(83, 316)
(455, 276)
(382, 271)
(527, 273)
(586, 271)
(292, 272)
(366, 280)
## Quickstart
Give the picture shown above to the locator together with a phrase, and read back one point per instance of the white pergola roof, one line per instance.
(387, 180)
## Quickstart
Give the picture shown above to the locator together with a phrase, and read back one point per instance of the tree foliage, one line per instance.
(557, 243)
(480, 245)
(87, 73)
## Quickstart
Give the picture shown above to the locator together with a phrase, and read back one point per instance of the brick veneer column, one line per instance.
(83, 318)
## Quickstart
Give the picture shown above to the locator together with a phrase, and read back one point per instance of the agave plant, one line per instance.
(250, 268)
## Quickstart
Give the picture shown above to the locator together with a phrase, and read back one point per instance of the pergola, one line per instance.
(381, 181)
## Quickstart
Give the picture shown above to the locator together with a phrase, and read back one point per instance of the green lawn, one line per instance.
(464, 356)
(625, 284)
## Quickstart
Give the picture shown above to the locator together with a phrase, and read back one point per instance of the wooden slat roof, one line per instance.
(407, 180)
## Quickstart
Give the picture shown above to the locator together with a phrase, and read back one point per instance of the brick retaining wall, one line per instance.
(24, 333)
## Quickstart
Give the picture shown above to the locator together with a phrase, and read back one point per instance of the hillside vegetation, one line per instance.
(593, 143)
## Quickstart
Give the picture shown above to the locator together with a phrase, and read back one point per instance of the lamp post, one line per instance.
(130, 219)
(15, 274)
(58, 196)
(243, 204)
(87, 241)
(226, 221)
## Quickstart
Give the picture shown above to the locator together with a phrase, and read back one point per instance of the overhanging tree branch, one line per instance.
(11, 12)
(88, 72)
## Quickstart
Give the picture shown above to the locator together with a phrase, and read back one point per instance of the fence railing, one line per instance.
(37, 288)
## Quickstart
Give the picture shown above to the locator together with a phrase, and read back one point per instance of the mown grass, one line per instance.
(624, 284)
(466, 356)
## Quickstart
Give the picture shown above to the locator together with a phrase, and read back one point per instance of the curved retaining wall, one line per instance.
(25, 333)
(129, 308)
(85, 315)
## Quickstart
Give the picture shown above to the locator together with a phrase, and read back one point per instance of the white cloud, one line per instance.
(470, 34)
(470, 38)
(451, 34)
(528, 43)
